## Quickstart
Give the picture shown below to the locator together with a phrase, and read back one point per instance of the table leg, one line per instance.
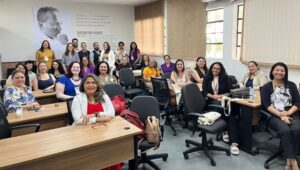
(133, 164)
(245, 130)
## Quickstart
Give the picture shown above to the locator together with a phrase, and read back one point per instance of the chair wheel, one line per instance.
(228, 153)
(211, 143)
(164, 158)
(213, 163)
(266, 166)
(186, 156)
(187, 144)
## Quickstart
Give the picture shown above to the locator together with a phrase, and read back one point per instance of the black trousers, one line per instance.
(289, 135)
(230, 120)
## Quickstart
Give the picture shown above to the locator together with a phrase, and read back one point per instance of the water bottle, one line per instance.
(251, 93)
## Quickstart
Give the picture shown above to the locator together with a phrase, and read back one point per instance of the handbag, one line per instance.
(119, 104)
(208, 118)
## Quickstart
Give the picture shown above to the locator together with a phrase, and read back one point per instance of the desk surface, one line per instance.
(255, 103)
(50, 111)
(39, 94)
(54, 143)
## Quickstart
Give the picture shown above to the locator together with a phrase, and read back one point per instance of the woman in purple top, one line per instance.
(86, 67)
(168, 66)
(134, 56)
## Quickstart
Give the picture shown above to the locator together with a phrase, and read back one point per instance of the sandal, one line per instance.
(225, 137)
(234, 150)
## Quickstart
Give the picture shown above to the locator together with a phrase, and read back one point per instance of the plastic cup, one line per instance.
(19, 111)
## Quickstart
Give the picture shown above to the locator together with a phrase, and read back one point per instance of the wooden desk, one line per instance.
(44, 98)
(49, 118)
(247, 108)
(71, 147)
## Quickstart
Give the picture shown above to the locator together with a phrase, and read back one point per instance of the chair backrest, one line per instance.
(2, 83)
(5, 131)
(69, 106)
(126, 77)
(145, 106)
(114, 90)
(2, 91)
(193, 99)
(161, 89)
(9, 71)
(166, 75)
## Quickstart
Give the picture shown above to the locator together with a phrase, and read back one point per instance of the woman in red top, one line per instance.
(92, 105)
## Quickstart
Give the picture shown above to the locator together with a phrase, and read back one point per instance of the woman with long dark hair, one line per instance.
(217, 84)
(108, 55)
(134, 56)
(57, 69)
(281, 98)
(69, 56)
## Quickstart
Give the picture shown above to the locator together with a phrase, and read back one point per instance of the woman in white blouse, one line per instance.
(108, 55)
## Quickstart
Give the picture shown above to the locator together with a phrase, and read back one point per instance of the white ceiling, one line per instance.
(114, 2)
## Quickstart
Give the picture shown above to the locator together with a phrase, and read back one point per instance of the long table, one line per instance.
(52, 116)
(44, 98)
(73, 147)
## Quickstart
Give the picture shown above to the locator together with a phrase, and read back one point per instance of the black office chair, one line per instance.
(194, 105)
(6, 129)
(166, 75)
(2, 91)
(161, 92)
(116, 90)
(9, 71)
(69, 106)
(233, 81)
(128, 81)
(147, 106)
(2, 83)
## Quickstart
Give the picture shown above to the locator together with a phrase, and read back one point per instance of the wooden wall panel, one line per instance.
(186, 22)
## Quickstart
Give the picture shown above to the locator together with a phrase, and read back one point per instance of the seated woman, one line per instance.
(168, 66)
(92, 105)
(68, 86)
(281, 98)
(216, 84)
(200, 70)
(254, 78)
(179, 78)
(30, 81)
(124, 64)
(46, 81)
(86, 66)
(19, 95)
(103, 73)
(57, 69)
(145, 61)
(150, 71)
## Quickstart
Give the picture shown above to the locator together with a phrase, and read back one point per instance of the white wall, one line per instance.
(16, 26)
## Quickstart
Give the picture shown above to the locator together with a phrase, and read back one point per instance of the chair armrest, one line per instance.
(37, 125)
(268, 116)
(215, 106)
(195, 114)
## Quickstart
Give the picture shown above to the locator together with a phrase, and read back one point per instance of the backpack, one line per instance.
(133, 118)
(152, 130)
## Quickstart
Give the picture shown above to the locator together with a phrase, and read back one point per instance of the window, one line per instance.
(214, 33)
(240, 16)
